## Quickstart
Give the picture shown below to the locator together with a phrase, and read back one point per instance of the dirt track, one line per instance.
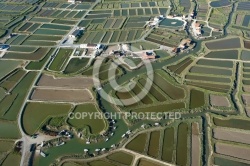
(73, 82)
(61, 95)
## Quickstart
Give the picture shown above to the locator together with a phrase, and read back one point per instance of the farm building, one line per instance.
(196, 28)
(76, 33)
(4, 46)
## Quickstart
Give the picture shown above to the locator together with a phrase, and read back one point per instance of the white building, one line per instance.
(76, 33)
(92, 46)
(71, 1)
(196, 29)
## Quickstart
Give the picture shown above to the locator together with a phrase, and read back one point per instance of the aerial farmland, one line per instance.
(122, 82)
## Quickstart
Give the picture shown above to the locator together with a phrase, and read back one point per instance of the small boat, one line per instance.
(60, 144)
(43, 154)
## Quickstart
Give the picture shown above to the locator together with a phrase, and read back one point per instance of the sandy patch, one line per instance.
(231, 150)
(221, 101)
(61, 95)
(73, 82)
(195, 145)
(230, 135)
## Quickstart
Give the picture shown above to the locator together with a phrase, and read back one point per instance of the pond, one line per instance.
(220, 3)
(171, 23)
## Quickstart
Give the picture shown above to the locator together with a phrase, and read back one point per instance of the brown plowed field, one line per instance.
(61, 95)
(232, 150)
(230, 135)
(70, 83)
(221, 101)
(246, 99)
(247, 44)
(195, 145)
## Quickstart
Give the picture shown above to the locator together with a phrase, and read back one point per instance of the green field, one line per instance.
(146, 162)
(161, 108)
(76, 64)
(35, 114)
(197, 99)
(154, 143)
(6, 66)
(50, 32)
(232, 123)
(54, 26)
(181, 153)
(215, 63)
(2, 93)
(95, 125)
(37, 55)
(172, 91)
(19, 93)
(61, 59)
(22, 49)
(11, 81)
(6, 146)
(12, 159)
(6, 127)
(37, 65)
(121, 157)
(138, 143)
(168, 145)
(100, 162)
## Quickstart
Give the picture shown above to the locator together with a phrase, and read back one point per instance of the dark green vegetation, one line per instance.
(168, 145)
(35, 56)
(35, 114)
(179, 67)
(181, 153)
(224, 44)
(5, 127)
(232, 123)
(75, 65)
(11, 81)
(138, 143)
(61, 59)
(94, 125)
(7, 66)
(161, 108)
(197, 98)
(211, 86)
(215, 63)
(12, 159)
(208, 78)
(37, 65)
(228, 162)
(245, 55)
(229, 54)
(11, 104)
(172, 91)
(154, 143)
(100, 162)
(212, 71)
(121, 157)
(146, 162)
